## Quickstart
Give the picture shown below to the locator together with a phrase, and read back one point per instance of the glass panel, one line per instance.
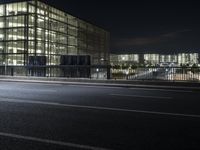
(16, 8)
(2, 13)
(1, 35)
(72, 50)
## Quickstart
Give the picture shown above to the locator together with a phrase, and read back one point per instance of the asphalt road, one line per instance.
(36, 116)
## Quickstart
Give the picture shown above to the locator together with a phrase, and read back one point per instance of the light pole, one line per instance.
(127, 72)
(5, 68)
(97, 70)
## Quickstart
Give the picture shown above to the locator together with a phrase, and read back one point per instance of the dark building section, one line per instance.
(75, 66)
(37, 60)
(37, 66)
(76, 72)
(75, 60)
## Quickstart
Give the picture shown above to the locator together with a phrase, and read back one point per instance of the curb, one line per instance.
(102, 84)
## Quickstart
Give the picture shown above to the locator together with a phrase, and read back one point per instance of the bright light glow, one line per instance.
(15, 37)
(14, 62)
(1, 24)
(1, 36)
(15, 24)
(39, 51)
(24, 9)
(40, 20)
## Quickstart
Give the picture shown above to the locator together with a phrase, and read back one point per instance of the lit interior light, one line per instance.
(39, 51)
(24, 9)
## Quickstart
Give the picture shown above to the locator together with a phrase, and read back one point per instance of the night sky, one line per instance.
(142, 26)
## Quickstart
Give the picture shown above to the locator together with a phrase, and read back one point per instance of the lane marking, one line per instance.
(99, 108)
(40, 90)
(27, 89)
(60, 143)
(167, 90)
(141, 96)
(100, 86)
(134, 88)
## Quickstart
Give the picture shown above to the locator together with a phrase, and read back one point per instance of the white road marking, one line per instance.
(93, 86)
(40, 90)
(98, 108)
(28, 89)
(134, 88)
(141, 96)
(43, 90)
(68, 144)
(165, 90)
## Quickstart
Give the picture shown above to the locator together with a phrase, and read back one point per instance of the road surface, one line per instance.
(38, 116)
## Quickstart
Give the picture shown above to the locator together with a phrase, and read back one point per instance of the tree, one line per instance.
(134, 66)
(124, 66)
(194, 68)
(117, 67)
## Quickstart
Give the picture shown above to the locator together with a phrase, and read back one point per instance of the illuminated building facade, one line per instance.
(127, 59)
(39, 40)
(155, 59)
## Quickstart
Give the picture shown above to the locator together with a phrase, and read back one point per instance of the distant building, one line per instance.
(155, 59)
(37, 39)
(128, 58)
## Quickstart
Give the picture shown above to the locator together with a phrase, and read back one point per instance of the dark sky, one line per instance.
(141, 26)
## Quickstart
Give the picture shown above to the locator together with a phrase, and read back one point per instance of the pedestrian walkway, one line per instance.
(111, 83)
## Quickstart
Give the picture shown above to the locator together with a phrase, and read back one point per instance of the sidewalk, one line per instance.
(193, 86)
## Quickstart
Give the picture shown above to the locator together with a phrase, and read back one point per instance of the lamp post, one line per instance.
(5, 68)
(127, 72)
(97, 70)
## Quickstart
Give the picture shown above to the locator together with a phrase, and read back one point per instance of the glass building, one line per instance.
(188, 58)
(38, 39)
(156, 59)
(169, 59)
(151, 59)
(124, 59)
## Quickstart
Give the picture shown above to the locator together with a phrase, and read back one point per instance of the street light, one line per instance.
(97, 70)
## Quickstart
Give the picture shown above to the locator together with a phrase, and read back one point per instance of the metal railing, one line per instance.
(159, 73)
(103, 72)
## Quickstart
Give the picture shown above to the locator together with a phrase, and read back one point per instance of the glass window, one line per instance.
(72, 20)
(1, 35)
(10, 10)
(16, 8)
(1, 47)
(72, 40)
(2, 10)
(31, 9)
(72, 31)
(40, 48)
(72, 50)
(31, 47)
(21, 8)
